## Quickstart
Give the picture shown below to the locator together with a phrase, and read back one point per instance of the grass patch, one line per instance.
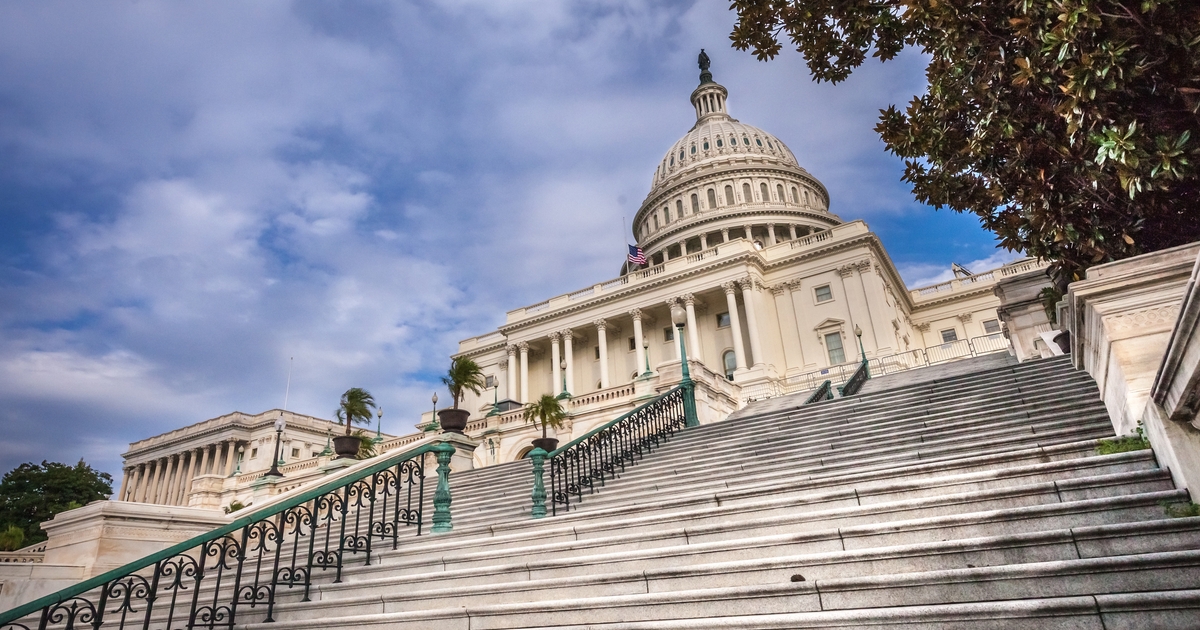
(1182, 510)
(1123, 445)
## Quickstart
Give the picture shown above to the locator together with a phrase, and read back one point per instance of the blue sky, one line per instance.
(192, 193)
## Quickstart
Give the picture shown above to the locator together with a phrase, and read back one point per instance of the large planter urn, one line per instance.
(346, 446)
(453, 420)
(547, 444)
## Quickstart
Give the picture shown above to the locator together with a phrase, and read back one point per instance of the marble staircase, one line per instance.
(974, 499)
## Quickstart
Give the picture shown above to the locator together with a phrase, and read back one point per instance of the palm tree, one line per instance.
(464, 375)
(546, 411)
(356, 406)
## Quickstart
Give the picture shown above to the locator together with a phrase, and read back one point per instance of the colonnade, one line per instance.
(774, 235)
(562, 355)
(167, 480)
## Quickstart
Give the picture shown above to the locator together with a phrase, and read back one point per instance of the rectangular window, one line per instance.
(656, 221)
(991, 326)
(597, 353)
(666, 214)
(316, 453)
(632, 344)
(668, 334)
(824, 293)
(949, 335)
(722, 320)
(489, 381)
(253, 453)
(833, 343)
(295, 453)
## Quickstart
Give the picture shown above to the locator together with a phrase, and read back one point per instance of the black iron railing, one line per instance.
(823, 392)
(604, 452)
(207, 581)
(856, 381)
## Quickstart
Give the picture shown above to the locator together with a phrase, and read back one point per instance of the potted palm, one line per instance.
(546, 411)
(464, 376)
(356, 406)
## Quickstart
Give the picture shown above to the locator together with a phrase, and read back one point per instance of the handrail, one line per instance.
(823, 392)
(856, 380)
(598, 454)
(301, 516)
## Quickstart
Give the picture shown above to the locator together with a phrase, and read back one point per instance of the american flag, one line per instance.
(636, 255)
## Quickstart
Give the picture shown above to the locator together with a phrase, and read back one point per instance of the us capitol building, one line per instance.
(780, 295)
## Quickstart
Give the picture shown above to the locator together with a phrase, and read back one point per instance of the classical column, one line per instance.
(513, 371)
(703, 242)
(636, 314)
(792, 227)
(724, 235)
(602, 340)
(689, 303)
(735, 324)
(524, 348)
(682, 248)
(208, 458)
(160, 468)
(771, 234)
(748, 287)
(230, 448)
(556, 359)
(749, 229)
(124, 485)
(168, 495)
(140, 489)
(671, 303)
(191, 474)
(569, 353)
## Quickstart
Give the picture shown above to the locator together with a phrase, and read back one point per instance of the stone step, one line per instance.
(1155, 572)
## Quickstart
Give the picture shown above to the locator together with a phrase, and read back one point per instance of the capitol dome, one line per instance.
(725, 180)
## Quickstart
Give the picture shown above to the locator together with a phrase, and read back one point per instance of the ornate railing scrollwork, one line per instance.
(204, 582)
(856, 380)
(604, 452)
(823, 392)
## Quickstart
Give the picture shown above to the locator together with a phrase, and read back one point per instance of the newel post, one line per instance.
(441, 497)
(538, 456)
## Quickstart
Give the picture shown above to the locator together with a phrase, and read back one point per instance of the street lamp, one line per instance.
(378, 426)
(646, 353)
(858, 333)
(279, 426)
(238, 470)
(564, 394)
(679, 318)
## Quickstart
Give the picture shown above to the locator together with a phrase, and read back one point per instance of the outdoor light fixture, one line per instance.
(564, 394)
(858, 333)
(646, 353)
(280, 424)
(378, 426)
(678, 316)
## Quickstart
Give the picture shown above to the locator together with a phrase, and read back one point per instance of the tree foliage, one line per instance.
(33, 493)
(1070, 127)
(546, 411)
(464, 375)
(356, 405)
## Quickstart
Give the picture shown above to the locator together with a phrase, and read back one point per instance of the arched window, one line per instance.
(779, 192)
(795, 197)
(693, 149)
(706, 145)
(681, 156)
(758, 141)
(746, 198)
(679, 208)
(766, 196)
(712, 198)
(729, 360)
(672, 160)
(666, 214)
(806, 197)
(719, 143)
(729, 196)
(695, 203)
(656, 221)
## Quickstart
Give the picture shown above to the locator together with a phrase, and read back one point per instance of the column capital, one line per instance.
(567, 333)
(503, 365)
(673, 301)
(511, 349)
(863, 266)
(729, 287)
(555, 336)
(748, 283)
(523, 346)
(600, 324)
(846, 271)
(688, 299)
(636, 314)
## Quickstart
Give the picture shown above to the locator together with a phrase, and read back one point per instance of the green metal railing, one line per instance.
(206, 581)
(823, 392)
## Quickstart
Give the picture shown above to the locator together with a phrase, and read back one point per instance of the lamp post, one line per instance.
(279, 426)
(434, 421)
(238, 470)
(564, 394)
(495, 411)
(646, 353)
(858, 333)
(378, 426)
(679, 318)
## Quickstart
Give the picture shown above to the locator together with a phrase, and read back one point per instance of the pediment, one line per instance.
(830, 323)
